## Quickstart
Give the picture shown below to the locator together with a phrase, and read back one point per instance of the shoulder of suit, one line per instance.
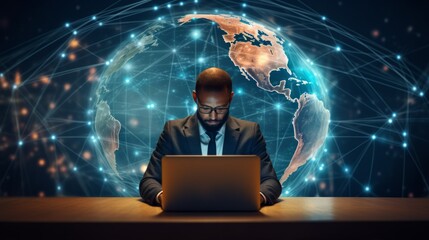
(179, 121)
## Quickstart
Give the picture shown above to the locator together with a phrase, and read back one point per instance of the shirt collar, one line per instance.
(203, 135)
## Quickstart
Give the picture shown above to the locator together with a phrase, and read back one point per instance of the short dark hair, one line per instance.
(213, 80)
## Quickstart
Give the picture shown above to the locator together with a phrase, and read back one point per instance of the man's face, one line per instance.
(213, 121)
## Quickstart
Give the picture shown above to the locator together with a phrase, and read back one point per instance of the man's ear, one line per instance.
(194, 95)
(230, 96)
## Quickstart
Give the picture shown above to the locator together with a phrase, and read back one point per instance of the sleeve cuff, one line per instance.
(157, 197)
(263, 196)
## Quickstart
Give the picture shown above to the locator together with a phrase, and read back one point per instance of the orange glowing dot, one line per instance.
(17, 78)
(45, 79)
(34, 136)
(86, 155)
(41, 194)
(375, 33)
(385, 68)
(67, 86)
(51, 105)
(4, 83)
(72, 56)
(24, 111)
(74, 43)
(92, 76)
(63, 169)
(41, 162)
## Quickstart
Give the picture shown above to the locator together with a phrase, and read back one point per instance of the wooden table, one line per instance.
(290, 218)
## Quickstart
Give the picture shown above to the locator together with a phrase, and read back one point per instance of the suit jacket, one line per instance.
(182, 137)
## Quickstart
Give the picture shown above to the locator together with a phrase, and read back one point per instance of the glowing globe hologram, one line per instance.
(150, 78)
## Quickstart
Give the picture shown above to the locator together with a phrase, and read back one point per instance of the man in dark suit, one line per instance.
(210, 131)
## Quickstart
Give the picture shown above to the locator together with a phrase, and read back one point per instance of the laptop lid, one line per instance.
(211, 183)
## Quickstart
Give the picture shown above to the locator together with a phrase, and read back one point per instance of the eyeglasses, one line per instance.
(208, 110)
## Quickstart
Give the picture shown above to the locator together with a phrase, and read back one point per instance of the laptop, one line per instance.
(211, 183)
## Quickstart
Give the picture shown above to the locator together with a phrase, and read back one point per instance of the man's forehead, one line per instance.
(213, 98)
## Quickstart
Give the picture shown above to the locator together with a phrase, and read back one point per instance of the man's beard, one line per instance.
(210, 127)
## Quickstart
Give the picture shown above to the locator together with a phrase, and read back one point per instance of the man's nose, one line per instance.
(212, 115)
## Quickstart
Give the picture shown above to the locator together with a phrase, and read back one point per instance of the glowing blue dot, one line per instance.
(58, 188)
(132, 35)
(195, 12)
(105, 179)
(67, 25)
(398, 57)
(20, 143)
(94, 17)
(240, 91)
(287, 192)
(155, 8)
(289, 44)
(195, 1)
(169, 5)
(63, 55)
(100, 169)
(201, 60)
(1, 74)
(278, 106)
(421, 94)
(338, 48)
(195, 108)
(15, 86)
(390, 120)
(404, 145)
(216, 10)
(196, 34)
(181, 3)
(373, 137)
(127, 80)
(313, 159)
(89, 123)
(367, 188)
(75, 169)
(325, 150)
(393, 114)
(174, 50)
(100, 24)
(346, 170)
(320, 168)
(404, 133)
(124, 190)
(107, 63)
(243, 14)
(306, 180)
(414, 88)
(314, 179)
(278, 28)
(74, 32)
(53, 137)
(150, 106)
(323, 18)
(244, 5)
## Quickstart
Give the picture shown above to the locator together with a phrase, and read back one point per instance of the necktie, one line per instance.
(212, 144)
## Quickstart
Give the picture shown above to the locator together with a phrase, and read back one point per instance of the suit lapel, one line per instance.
(192, 133)
(232, 132)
